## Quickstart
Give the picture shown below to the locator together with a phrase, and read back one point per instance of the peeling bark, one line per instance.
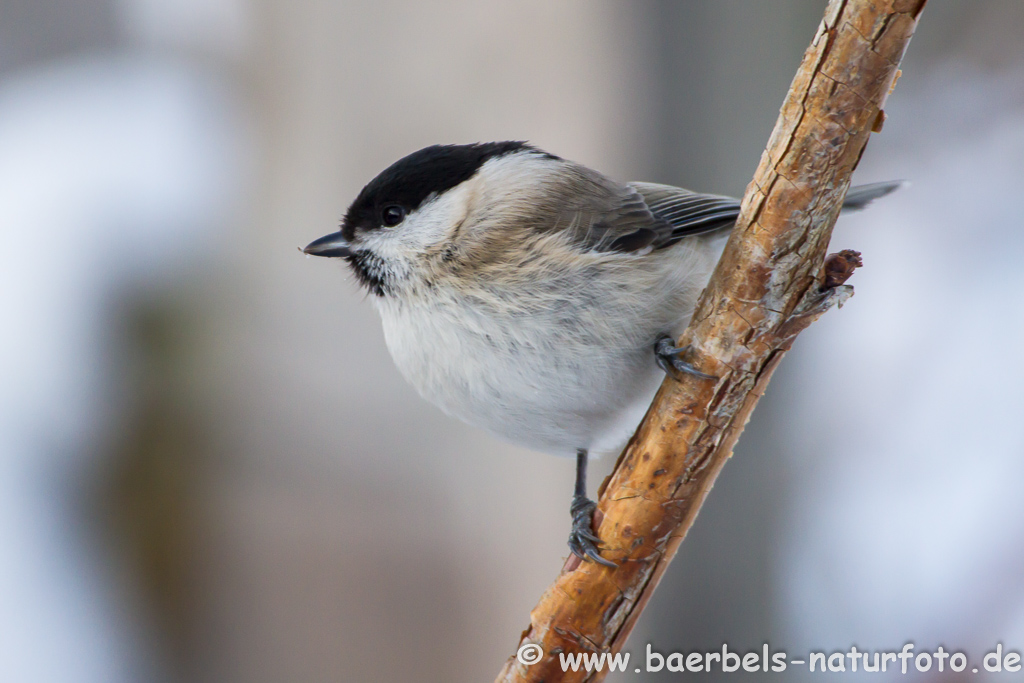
(770, 284)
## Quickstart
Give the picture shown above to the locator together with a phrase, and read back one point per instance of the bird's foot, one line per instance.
(582, 539)
(668, 356)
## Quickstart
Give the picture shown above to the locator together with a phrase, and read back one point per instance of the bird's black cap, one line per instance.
(430, 171)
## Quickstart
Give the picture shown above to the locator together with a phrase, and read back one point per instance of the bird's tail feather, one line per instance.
(860, 196)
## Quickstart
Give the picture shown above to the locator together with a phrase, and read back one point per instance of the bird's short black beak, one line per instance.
(334, 245)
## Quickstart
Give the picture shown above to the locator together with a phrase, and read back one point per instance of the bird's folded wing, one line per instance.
(636, 217)
(689, 213)
(599, 214)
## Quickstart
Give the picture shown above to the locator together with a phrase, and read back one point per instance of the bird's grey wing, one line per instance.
(599, 214)
(688, 213)
(691, 213)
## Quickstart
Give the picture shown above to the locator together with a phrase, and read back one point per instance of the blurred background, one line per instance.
(210, 469)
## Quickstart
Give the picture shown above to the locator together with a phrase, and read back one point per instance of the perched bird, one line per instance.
(532, 296)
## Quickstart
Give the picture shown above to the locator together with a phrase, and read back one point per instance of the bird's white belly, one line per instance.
(524, 383)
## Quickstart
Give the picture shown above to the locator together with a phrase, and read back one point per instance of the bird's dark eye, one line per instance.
(392, 215)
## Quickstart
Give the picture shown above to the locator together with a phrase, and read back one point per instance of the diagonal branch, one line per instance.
(770, 284)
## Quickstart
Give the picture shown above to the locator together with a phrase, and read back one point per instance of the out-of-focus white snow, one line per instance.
(907, 515)
(114, 175)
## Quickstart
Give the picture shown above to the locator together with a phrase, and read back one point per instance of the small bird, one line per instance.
(535, 297)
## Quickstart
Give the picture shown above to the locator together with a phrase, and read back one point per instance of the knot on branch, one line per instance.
(839, 267)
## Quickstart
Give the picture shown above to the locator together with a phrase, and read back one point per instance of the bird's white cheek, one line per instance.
(435, 223)
(388, 244)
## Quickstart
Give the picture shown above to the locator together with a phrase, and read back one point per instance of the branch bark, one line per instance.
(770, 284)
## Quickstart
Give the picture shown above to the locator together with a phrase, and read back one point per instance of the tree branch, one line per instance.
(770, 284)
